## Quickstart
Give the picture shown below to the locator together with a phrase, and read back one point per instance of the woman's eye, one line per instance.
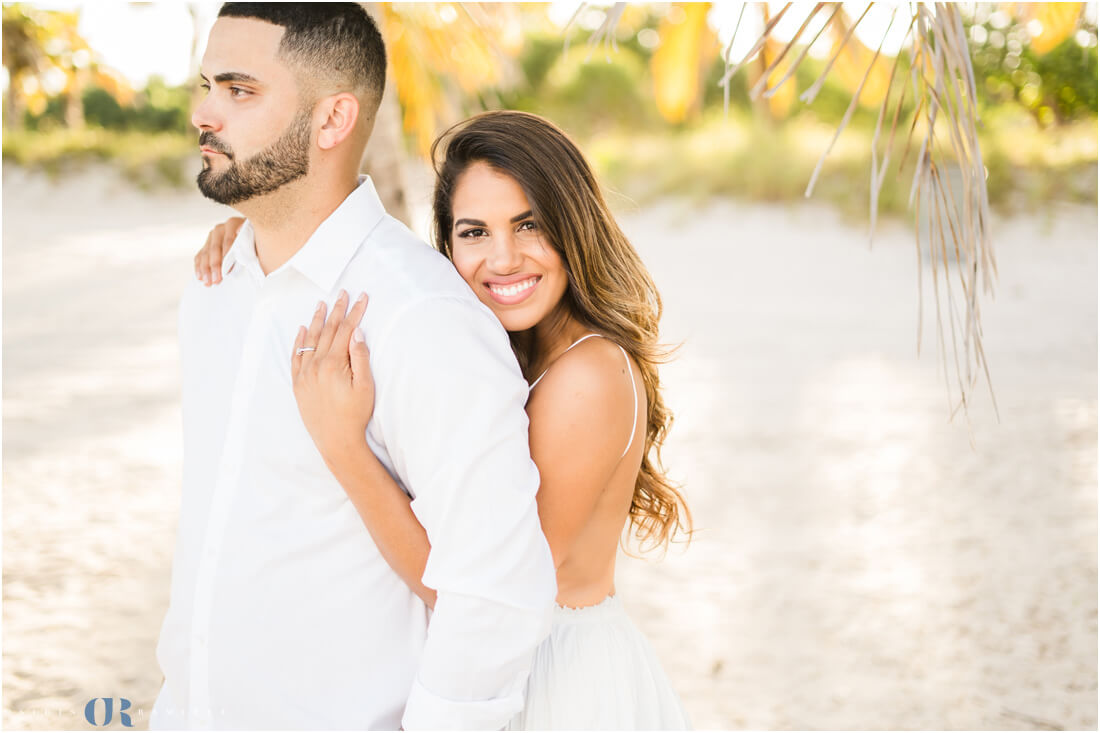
(472, 233)
(528, 226)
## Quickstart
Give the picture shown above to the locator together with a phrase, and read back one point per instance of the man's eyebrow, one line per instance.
(236, 76)
(231, 76)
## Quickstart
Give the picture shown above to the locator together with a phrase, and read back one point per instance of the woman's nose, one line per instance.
(504, 256)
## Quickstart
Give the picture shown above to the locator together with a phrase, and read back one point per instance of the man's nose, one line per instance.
(203, 116)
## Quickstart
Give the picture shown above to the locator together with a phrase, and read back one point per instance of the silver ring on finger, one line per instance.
(304, 349)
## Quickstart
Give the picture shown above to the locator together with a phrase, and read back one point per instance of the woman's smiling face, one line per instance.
(498, 248)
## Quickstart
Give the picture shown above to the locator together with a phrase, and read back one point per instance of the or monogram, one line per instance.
(108, 706)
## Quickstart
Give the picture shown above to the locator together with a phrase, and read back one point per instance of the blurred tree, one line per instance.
(687, 46)
(45, 56)
(25, 60)
(438, 55)
(1053, 75)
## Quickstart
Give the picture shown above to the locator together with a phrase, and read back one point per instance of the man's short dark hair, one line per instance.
(331, 42)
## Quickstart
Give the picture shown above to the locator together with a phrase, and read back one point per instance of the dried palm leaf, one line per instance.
(941, 78)
(794, 67)
(944, 131)
(725, 84)
(758, 87)
(765, 34)
(851, 106)
(878, 172)
(811, 94)
(781, 100)
(605, 33)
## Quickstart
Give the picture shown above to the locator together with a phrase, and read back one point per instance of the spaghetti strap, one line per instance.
(582, 338)
(633, 391)
(633, 386)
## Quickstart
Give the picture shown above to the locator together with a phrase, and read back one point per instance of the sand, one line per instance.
(857, 564)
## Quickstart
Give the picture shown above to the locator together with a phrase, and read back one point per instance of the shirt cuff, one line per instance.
(427, 711)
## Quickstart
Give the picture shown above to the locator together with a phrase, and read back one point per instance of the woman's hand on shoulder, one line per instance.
(330, 370)
(208, 261)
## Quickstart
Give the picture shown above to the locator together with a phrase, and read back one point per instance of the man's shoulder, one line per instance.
(198, 298)
(400, 271)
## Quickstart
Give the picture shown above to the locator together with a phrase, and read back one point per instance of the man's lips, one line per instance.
(211, 151)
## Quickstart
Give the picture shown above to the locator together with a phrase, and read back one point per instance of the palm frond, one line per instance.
(944, 129)
(605, 32)
(944, 93)
(763, 81)
(726, 58)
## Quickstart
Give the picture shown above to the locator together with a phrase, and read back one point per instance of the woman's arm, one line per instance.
(335, 394)
(579, 421)
(387, 512)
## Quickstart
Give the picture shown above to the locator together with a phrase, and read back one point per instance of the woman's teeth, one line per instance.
(516, 289)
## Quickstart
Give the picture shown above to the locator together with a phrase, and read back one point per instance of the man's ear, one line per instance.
(339, 114)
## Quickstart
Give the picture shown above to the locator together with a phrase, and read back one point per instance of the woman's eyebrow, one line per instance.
(480, 223)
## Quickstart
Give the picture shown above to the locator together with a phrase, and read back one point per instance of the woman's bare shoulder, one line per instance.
(591, 378)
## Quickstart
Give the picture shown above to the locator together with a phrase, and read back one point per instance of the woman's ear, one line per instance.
(340, 114)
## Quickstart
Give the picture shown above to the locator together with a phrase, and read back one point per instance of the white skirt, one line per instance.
(597, 671)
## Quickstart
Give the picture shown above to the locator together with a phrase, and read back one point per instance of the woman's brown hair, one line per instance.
(609, 291)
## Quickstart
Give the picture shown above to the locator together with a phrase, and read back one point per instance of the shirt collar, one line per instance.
(327, 252)
(243, 252)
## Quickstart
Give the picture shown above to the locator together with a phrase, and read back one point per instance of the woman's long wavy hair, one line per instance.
(609, 289)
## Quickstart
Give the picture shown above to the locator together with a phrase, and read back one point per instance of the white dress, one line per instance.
(596, 671)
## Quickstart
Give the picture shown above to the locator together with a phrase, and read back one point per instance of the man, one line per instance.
(283, 613)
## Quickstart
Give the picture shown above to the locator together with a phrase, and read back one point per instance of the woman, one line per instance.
(520, 215)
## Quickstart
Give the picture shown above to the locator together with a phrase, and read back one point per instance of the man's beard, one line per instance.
(285, 160)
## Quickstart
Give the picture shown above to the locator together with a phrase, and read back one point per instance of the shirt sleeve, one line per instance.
(452, 415)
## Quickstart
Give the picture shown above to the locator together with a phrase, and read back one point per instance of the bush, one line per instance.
(1056, 87)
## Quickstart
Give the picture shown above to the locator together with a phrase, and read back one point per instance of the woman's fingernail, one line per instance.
(356, 336)
(320, 305)
(361, 298)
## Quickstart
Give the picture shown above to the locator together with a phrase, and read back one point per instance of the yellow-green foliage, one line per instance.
(145, 157)
(751, 158)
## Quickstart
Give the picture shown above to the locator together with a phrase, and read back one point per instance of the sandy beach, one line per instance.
(857, 564)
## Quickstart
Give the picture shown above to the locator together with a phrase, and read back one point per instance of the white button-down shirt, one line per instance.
(283, 613)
